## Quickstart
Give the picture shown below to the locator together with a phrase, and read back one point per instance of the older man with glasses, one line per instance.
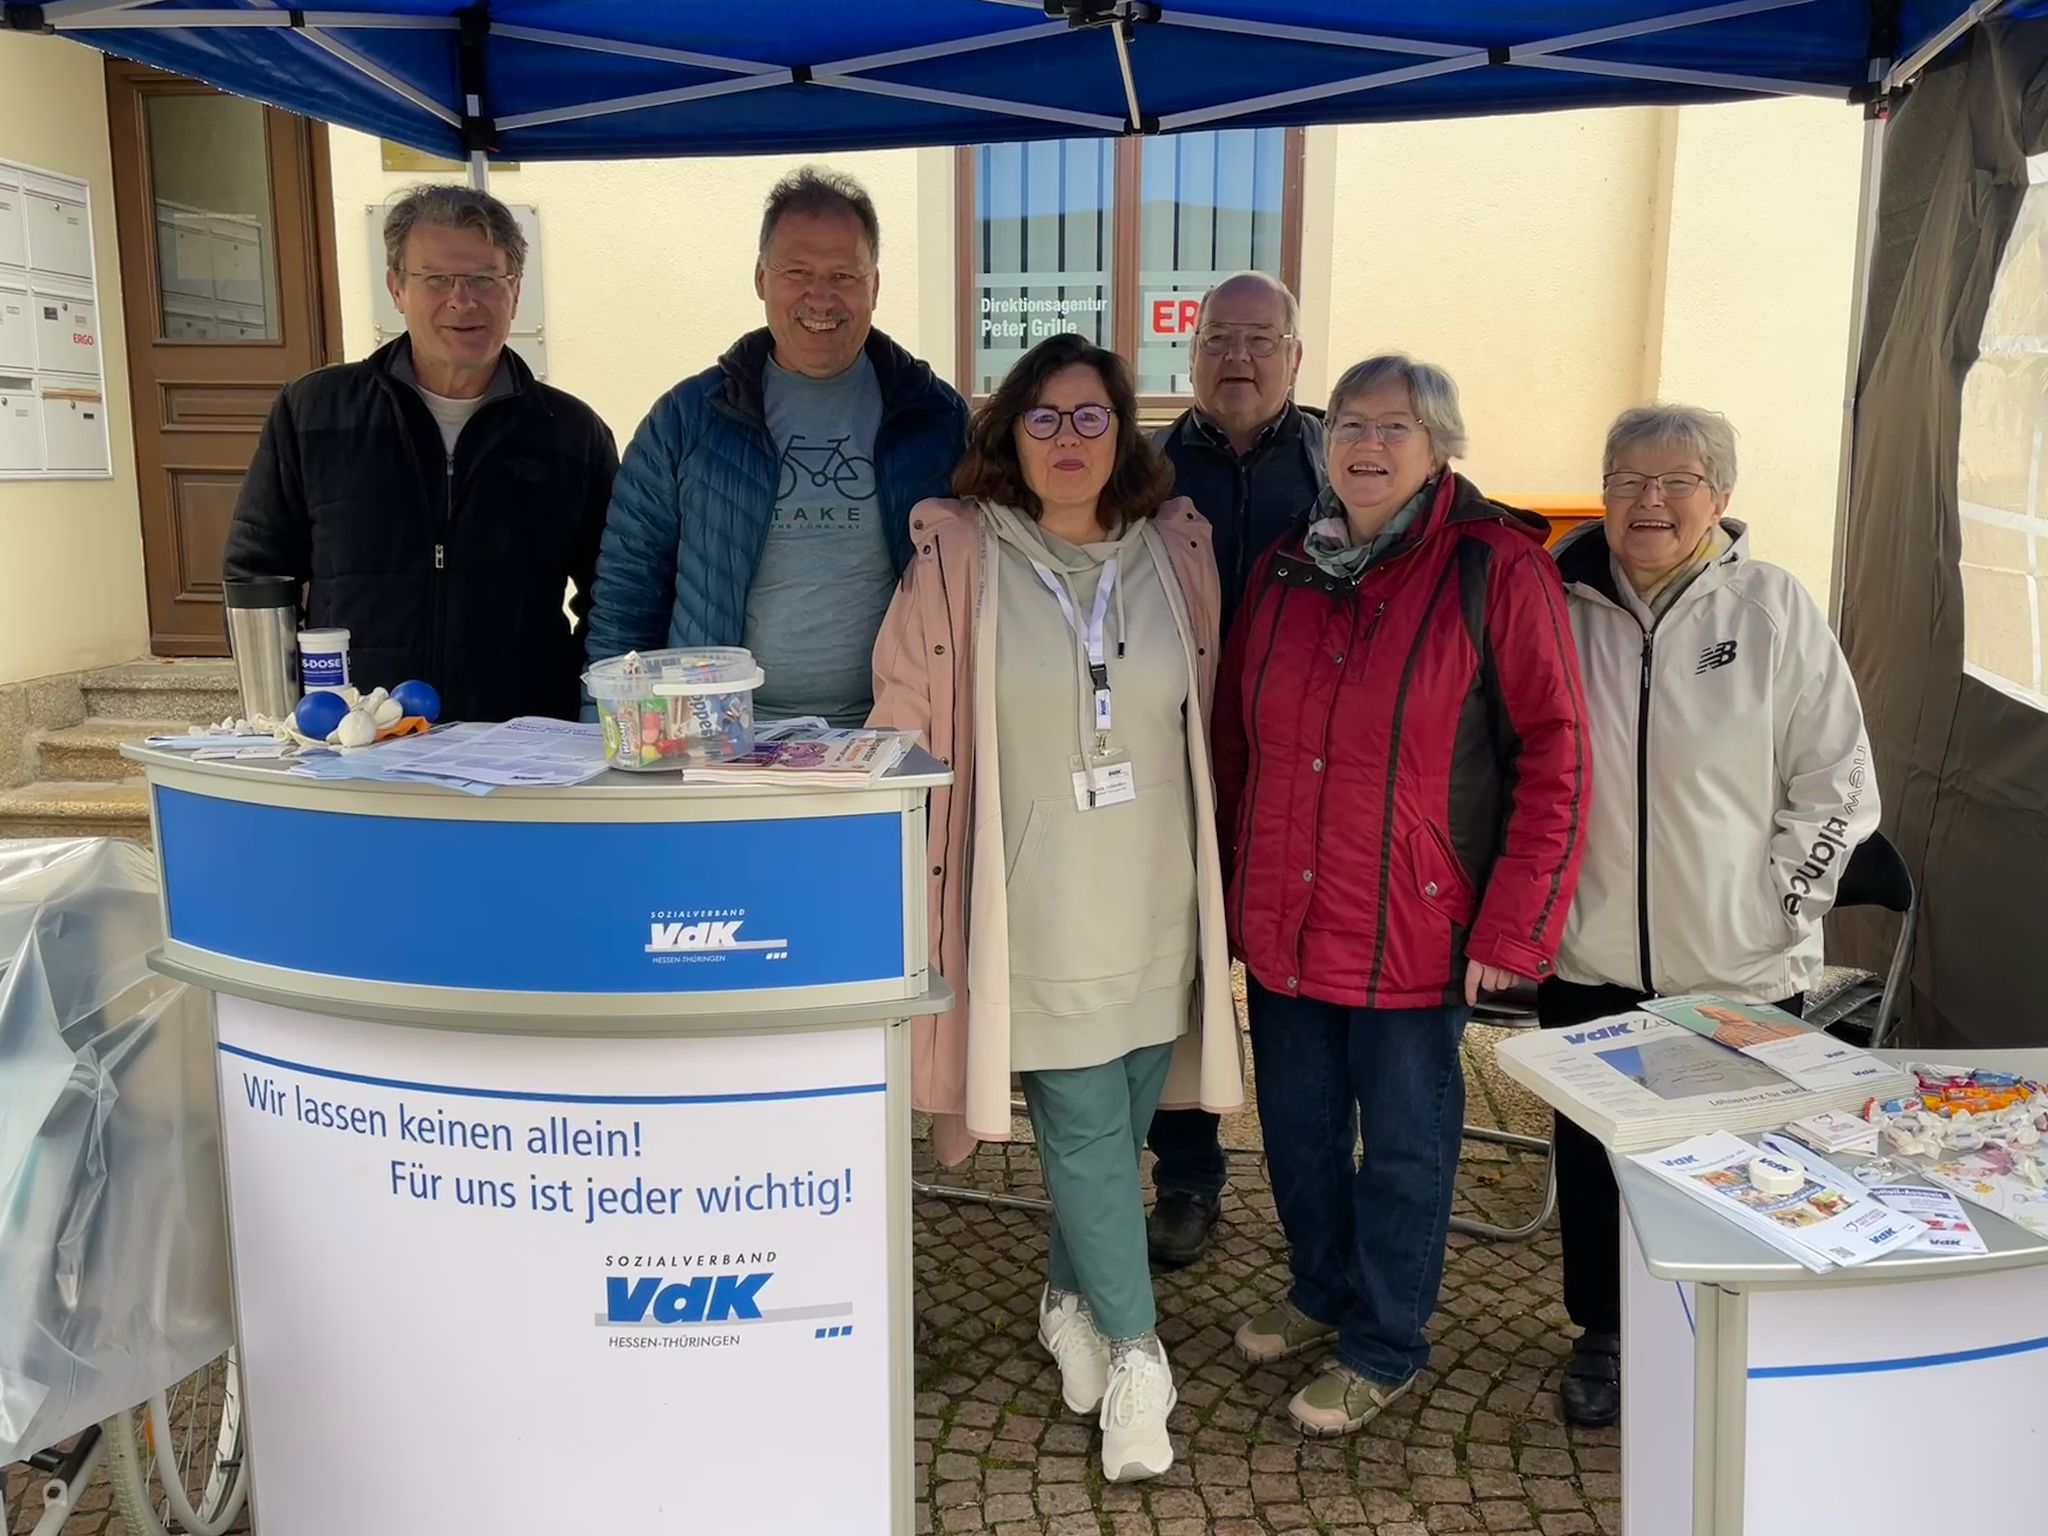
(435, 499)
(1252, 461)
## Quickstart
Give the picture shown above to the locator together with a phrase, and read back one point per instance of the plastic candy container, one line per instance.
(676, 709)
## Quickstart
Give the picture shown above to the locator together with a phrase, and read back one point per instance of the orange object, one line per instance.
(411, 725)
(1563, 513)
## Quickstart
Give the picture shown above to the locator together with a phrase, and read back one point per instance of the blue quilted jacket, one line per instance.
(696, 492)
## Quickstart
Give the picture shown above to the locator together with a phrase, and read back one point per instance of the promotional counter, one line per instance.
(567, 1142)
(1896, 1397)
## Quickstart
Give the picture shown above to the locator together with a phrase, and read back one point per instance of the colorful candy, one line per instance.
(676, 709)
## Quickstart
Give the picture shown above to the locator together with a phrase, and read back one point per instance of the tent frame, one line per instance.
(1120, 20)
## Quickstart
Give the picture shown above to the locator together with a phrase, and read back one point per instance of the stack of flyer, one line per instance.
(1808, 1212)
(810, 753)
(1682, 1066)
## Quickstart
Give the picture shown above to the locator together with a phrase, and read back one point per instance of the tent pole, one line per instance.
(1859, 303)
(479, 171)
(1176, 122)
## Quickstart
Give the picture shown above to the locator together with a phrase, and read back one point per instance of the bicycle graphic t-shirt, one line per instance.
(825, 577)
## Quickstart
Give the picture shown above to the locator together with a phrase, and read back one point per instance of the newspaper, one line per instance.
(1786, 1044)
(1823, 1223)
(1636, 1080)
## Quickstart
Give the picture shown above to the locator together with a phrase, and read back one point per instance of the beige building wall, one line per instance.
(1564, 266)
(1755, 313)
(1510, 251)
(71, 593)
(648, 264)
(1561, 265)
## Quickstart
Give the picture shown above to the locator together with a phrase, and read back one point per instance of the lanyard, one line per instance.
(1091, 637)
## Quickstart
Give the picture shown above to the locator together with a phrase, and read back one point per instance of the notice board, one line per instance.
(53, 399)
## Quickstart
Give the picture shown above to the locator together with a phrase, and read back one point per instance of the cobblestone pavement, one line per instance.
(1477, 1447)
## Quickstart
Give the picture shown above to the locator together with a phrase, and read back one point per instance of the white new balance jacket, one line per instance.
(1731, 775)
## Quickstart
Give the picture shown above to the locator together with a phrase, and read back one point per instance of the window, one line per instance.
(1117, 239)
(2000, 454)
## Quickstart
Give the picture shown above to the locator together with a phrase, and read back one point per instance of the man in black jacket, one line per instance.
(436, 499)
(1252, 461)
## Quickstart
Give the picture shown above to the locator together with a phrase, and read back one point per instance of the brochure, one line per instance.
(1994, 1178)
(1949, 1228)
(1788, 1045)
(1637, 1080)
(816, 754)
(386, 761)
(1821, 1222)
(1831, 1132)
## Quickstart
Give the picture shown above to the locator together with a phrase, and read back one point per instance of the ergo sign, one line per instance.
(1171, 315)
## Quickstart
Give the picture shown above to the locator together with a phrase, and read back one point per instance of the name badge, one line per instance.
(1104, 784)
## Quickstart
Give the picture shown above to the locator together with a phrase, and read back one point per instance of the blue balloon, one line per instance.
(318, 714)
(418, 698)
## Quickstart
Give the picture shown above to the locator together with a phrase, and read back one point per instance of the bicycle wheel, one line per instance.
(178, 1464)
(854, 477)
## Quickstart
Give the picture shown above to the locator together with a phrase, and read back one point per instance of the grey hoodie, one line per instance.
(1102, 911)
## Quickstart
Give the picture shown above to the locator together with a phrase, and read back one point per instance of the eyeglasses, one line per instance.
(1222, 340)
(1392, 432)
(1043, 422)
(483, 286)
(1622, 486)
(842, 281)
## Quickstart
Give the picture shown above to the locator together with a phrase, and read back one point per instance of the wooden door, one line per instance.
(226, 237)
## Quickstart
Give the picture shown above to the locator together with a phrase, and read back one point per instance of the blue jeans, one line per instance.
(1367, 1233)
(1189, 1149)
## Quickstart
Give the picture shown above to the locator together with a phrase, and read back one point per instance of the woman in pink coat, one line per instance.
(1054, 639)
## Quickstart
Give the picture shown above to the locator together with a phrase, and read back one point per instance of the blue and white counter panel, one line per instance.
(661, 899)
(567, 1138)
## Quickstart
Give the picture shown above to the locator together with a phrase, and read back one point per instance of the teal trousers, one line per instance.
(1090, 1124)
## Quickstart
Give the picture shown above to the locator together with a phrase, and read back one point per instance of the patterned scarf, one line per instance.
(1660, 594)
(1329, 534)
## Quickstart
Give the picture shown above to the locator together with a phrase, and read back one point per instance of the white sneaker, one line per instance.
(1141, 1394)
(1069, 1336)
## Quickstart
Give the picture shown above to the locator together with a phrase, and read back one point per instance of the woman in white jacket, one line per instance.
(1733, 780)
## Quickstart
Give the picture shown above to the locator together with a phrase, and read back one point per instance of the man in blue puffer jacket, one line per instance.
(766, 501)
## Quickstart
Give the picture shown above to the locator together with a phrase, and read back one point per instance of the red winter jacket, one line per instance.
(1402, 773)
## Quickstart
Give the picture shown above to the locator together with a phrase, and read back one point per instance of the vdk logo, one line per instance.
(1604, 1032)
(695, 938)
(700, 1299)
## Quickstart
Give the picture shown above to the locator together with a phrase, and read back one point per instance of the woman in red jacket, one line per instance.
(1402, 782)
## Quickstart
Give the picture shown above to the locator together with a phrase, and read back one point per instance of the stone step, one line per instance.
(93, 750)
(198, 692)
(72, 808)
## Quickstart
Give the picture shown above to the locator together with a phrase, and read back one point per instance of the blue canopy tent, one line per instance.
(1964, 768)
(599, 79)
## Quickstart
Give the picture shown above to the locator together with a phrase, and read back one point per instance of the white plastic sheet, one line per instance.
(113, 1250)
